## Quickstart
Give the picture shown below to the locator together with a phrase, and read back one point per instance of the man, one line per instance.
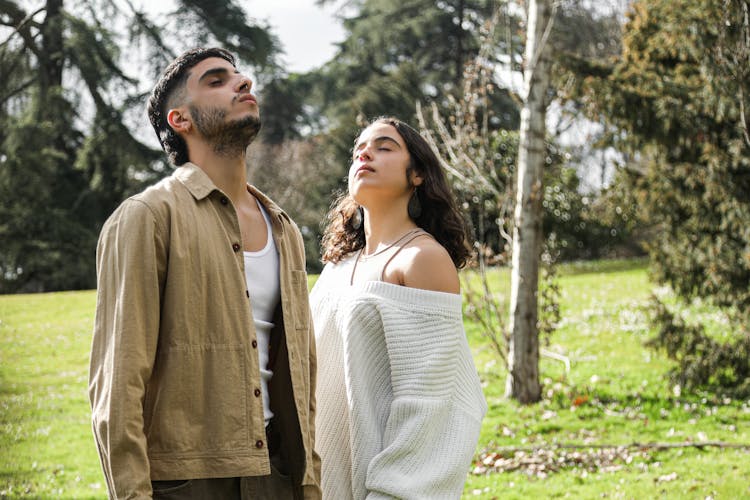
(203, 359)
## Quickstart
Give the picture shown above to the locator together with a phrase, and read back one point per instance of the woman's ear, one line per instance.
(416, 178)
(178, 120)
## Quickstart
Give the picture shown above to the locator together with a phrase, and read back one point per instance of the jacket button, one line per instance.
(236, 247)
(224, 200)
(256, 392)
(254, 343)
(259, 444)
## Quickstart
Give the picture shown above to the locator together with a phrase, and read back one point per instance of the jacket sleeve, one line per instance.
(435, 417)
(130, 267)
(313, 491)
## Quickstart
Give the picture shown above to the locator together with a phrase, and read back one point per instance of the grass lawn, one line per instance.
(614, 394)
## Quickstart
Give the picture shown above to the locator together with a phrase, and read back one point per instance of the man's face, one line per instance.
(220, 104)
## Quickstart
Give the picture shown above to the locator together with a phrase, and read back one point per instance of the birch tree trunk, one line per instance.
(523, 358)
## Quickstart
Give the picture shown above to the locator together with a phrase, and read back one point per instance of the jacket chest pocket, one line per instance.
(299, 305)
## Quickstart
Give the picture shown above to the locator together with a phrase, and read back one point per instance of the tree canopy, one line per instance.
(71, 147)
(678, 98)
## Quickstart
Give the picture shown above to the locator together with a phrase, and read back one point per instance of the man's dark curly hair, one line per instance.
(169, 92)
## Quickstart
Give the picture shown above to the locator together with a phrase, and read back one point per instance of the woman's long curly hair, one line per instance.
(440, 214)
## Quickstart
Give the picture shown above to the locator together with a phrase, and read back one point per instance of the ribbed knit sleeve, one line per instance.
(435, 417)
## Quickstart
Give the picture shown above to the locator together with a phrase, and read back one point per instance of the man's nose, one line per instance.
(244, 85)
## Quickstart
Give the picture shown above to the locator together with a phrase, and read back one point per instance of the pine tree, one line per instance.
(70, 148)
(397, 53)
(679, 97)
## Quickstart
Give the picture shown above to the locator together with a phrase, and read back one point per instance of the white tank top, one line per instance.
(262, 277)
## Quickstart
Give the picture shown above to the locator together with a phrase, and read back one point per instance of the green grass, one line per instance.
(45, 432)
(626, 399)
(47, 451)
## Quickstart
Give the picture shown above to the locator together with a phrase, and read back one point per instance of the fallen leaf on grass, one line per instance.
(579, 400)
(542, 462)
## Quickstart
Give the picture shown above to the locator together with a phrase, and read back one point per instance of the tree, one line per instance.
(397, 53)
(590, 215)
(523, 360)
(679, 97)
(70, 151)
(481, 164)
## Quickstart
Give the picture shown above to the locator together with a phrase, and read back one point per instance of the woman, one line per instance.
(399, 402)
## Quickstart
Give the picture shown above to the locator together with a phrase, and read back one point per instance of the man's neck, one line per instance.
(227, 173)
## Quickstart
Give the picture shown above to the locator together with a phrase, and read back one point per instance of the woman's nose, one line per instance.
(364, 154)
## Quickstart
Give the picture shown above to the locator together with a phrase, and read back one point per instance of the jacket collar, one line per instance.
(272, 208)
(195, 180)
(200, 186)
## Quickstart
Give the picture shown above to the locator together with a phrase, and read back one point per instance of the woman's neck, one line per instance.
(383, 227)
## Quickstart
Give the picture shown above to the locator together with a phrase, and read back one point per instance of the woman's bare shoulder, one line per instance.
(426, 264)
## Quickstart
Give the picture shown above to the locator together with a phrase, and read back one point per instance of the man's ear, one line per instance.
(179, 120)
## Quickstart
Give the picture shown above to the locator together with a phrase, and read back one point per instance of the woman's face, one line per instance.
(379, 164)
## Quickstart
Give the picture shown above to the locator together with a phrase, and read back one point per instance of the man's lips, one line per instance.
(247, 97)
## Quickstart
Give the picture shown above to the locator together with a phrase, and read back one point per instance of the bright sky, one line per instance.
(307, 32)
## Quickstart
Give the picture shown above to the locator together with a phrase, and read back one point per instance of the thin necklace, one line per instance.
(388, 247)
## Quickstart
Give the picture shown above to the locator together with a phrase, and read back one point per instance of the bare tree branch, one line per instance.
(16, 90)
(20, 22)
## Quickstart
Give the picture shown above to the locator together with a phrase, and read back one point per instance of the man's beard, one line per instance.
(227, 138)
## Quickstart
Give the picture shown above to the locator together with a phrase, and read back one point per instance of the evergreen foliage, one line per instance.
(674, 98)
(702, 361)
(394, 55)
(397, 53)
(72, 97)
(680, 96)
(42, 204)
(69, 148)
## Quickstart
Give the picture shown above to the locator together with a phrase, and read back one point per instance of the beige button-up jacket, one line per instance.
(174, 361)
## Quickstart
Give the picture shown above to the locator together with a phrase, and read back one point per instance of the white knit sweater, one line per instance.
(399, 402)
